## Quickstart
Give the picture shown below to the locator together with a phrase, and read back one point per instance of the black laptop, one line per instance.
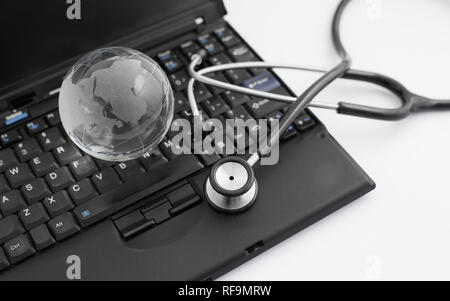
(145, 219)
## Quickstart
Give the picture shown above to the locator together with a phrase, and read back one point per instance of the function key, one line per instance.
(189, 48)
(36, 126)
(53, 118)
(9, 138)
(166, 56)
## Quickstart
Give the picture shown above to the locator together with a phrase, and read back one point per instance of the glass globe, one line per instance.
(116, 104)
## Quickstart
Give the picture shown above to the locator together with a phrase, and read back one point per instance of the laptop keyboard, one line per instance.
(50, 190)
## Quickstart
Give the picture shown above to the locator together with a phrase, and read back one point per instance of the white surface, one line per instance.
(401, 230)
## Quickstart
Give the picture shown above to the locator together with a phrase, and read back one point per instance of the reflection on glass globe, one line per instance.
(116, 104)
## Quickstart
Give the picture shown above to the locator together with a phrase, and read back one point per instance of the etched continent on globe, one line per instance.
(116, 104)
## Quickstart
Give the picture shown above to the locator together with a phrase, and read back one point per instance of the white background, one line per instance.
(401, 230)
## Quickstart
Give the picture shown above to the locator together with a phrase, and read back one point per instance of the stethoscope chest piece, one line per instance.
(231, 186)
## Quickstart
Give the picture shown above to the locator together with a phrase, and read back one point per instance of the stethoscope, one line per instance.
(231, 185)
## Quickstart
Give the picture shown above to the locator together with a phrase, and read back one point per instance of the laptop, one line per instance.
(65, 215)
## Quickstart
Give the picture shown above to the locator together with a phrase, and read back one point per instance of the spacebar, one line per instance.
(135, 189)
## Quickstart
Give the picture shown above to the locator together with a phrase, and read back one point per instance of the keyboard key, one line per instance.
(4, 187)
(220, 77)
(237, 76)
(303, 122)
(4, 263)
(117, 199)
(152, 159)
(230, 40)
(19, 175)
(241, 53)
(51, 139)
(127, 169)
(179, 80)
(35, 191)
(215, 106)
(19, 248)
(58, 203)
(53, 118)
(10, 138)
(238, 113)
(33, 216)
(105, 180)
(205, 39)
(63, 226)
(59, 179)
(261, 107)
(263, 82)
(83, 167)
(173, 65)
(27, 149)
(235, 99)
(213, 47)
(181, 102)
(201, 93)
(82, 191)
(36, 126)
(290, 131)
(10, 227)
(166, 55)
(12, 202)
(43, 164)
(41, 237)
(220, 59)
(7, 159)
(67, 153)
(209, 159)
(189, 48)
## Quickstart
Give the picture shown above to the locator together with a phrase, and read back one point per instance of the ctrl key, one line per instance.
(19, 248)
(63, 226)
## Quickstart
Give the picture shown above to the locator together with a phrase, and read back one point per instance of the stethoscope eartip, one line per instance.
(231, 185)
